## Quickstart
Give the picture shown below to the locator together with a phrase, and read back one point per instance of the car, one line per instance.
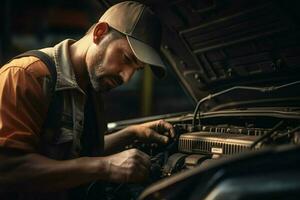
(239, 62)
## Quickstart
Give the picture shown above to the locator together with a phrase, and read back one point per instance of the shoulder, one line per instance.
(27, 74)
(30, 64)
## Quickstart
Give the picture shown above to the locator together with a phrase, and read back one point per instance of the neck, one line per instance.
(78, 52)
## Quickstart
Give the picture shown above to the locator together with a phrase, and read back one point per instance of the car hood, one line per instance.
(214, 45)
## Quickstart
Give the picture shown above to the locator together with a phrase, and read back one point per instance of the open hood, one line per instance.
(214, 45)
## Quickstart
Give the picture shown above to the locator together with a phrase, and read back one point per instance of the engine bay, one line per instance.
(216, 138)
(201, 145)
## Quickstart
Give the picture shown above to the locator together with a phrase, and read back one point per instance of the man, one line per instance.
(52, 141)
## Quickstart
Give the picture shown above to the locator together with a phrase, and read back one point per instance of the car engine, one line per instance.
(209, 142)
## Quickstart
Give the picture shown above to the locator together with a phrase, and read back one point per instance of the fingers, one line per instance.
(161, 126)
(156, 137)
(156, 131)
(128, 166)
(167, 128)
(142, 164)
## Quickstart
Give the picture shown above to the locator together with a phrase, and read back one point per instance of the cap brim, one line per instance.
(148, 55)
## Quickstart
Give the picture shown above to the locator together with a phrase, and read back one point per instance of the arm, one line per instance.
(34, 172)
(117, 141)
(156, 131)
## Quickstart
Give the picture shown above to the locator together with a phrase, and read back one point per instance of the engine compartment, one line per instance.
(201, 145)
(218, 136)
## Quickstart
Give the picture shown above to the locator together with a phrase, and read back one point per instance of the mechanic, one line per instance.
(52, 141)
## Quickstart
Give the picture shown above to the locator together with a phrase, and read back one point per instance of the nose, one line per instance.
(127, 73)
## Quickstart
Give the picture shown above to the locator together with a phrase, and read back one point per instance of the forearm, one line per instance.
(117, 141)
(34, 172)
(146, 132)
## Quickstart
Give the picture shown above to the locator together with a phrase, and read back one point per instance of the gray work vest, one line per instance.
(63, 130)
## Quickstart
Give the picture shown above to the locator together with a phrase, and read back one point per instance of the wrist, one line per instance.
(106, 170)
(97, 167)
(131, 133)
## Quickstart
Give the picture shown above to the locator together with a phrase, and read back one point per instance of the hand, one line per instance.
(128, 166)
(156, 131)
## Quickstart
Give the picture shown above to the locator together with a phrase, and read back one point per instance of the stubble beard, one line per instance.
(101, 80)
(95, 79)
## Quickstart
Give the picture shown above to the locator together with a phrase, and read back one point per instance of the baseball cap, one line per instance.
(142, 29)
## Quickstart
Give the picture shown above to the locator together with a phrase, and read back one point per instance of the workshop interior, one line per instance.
(232, 93)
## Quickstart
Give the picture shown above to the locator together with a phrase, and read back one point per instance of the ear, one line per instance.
(99, 31)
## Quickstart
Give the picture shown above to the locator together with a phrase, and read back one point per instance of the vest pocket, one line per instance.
(67, 120)
(66, 135)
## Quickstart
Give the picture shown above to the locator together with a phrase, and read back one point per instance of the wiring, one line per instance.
(268, 134)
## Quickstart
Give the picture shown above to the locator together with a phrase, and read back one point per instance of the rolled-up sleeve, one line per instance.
(23, 108)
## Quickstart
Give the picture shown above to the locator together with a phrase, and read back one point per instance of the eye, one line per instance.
(126, 59)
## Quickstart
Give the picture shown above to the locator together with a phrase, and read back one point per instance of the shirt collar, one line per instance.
(65, 72)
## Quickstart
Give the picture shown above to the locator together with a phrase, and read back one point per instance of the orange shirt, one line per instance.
(23, 104)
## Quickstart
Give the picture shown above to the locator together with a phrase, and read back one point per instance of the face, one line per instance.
(111, 64)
